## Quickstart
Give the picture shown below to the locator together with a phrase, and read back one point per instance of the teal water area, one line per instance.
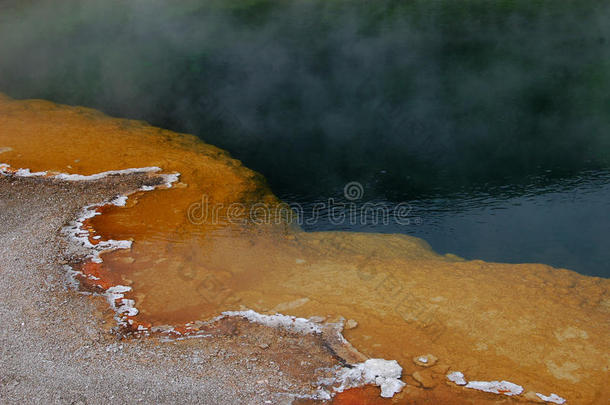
(490, 119)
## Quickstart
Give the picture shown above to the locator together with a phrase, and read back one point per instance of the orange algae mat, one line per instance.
(545, 329)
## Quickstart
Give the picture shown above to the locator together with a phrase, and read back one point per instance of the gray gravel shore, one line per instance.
(57, 345)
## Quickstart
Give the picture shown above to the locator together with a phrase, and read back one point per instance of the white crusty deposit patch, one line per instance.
(27, 173)
(76, 232)
(125, 306)
(383, 373)
(99, 176)
(120, 201)
(4, 169)
(291, 323)
(551, 398)
(169, 178)
(457, 378)
(498, 387)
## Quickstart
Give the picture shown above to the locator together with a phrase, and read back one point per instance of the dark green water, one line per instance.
(491, 119)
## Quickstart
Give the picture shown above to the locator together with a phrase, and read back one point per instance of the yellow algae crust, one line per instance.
(545, 329)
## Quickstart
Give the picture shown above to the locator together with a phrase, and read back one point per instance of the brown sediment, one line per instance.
(545, 329)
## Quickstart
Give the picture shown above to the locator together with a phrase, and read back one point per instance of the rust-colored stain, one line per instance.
(361, 396)
(543, 328)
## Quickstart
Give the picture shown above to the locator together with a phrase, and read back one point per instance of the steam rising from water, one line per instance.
(411, 99)
(436, 94)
